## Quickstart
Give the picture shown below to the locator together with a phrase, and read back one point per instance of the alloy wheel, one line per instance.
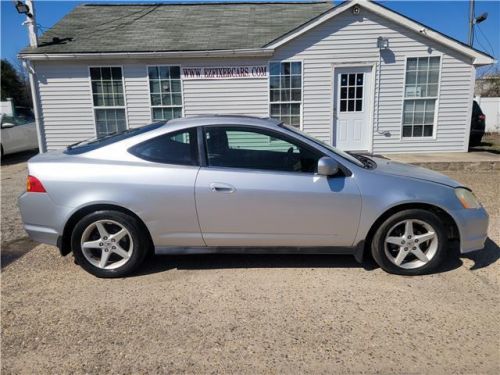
(107, 244)
(411, 243)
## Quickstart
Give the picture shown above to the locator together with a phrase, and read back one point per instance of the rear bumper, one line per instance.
(473, 227)
(42, 219)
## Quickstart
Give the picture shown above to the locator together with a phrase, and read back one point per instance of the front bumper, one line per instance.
(473, 227)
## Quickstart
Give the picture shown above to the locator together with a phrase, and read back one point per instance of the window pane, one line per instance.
(116, 73)
(285, 95)
(274, 82)
(274, 69)
(359, 92)
(434, 63)
(296, 95)
(259, 149)
(106, 73)
(155, 99)
(359, 105)
(432, 90)
(343, 79)
(164, 72)
(109, 121)
(359, 79)
(296, 82)
(177, 99)
(350, 105)
(95, 73)
(175, 85)
(352, 79)
(295, 109)
(417, 130)
(177, 112)
(153, 72)
(411, 64)
(275, 95)
(166, 99)
(343, 93)
(428, 131)
(175, 72)
(97, 87)
(178, 148)
(406, 131)
(275, 110)
(285, 68)
(296, 68)
(165, 86)
(343, 105)
(411, 78)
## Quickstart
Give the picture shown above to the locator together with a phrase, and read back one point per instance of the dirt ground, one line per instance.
(247, 313)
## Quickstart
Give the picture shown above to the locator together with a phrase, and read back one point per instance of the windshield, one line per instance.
(340, 153)
(97, 142)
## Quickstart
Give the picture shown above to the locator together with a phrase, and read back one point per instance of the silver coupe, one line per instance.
(241, 184)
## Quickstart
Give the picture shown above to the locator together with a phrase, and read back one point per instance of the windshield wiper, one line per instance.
(367, 162)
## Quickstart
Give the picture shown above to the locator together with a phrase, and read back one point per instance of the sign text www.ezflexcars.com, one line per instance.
(225, 72)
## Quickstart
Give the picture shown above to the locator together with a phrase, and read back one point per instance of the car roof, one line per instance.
(202, 120)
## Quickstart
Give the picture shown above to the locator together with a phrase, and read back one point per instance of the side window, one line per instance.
(179, 148)
(235, 147)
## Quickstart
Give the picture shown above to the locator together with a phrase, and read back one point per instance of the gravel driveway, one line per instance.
(247, 313)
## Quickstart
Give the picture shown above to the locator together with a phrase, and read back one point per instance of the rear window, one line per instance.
(95, 143)
(180, 148)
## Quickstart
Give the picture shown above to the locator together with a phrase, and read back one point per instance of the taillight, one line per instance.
(482, 117)
(33, 185)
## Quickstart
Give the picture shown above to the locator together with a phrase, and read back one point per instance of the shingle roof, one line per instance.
(164, 27)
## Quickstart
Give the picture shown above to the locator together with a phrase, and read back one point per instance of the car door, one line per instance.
(165, 188)
(259, 189)
(13, 136)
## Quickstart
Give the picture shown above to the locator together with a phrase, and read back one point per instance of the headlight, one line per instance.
(467, 198)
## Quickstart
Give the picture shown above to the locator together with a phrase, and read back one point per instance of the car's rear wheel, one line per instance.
(410, 242)
(109, 244)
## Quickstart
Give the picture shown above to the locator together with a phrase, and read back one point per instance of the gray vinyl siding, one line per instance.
(66, 99)
(348, 39)
(66, 96)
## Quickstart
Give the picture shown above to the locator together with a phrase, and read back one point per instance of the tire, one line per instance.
(393, 243)
(116, 245)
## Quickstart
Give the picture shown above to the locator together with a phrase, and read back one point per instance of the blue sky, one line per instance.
(448, 17)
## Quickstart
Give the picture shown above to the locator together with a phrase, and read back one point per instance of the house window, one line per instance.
(285, 92)
(165, 92)
(421, 91)
(109, 100)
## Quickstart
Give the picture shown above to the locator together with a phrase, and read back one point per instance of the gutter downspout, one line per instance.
(36, 108)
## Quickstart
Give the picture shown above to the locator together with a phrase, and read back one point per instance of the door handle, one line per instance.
(218, 187)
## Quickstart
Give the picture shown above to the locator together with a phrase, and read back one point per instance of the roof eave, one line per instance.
(251, 52)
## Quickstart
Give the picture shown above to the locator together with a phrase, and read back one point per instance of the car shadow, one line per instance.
(486, 257)
(13, 250)
(161, 263)
(19, 157)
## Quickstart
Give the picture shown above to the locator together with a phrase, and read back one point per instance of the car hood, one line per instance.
(385, 166)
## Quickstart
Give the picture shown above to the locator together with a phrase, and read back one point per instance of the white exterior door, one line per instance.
(353, 105)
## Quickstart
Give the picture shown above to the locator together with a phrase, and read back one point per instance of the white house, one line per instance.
(356, 75)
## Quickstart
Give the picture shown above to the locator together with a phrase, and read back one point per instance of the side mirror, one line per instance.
(7, 125)
(327, 166)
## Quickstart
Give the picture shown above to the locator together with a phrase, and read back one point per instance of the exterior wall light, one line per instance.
(382, 43)
(22, 8)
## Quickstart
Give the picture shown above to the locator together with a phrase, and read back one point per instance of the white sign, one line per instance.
(224, 72)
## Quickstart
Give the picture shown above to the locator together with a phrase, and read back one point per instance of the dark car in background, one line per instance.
(478, 122)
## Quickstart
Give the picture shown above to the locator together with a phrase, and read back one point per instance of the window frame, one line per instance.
(149, 90)
(94, 107)
(301, 61)
(196, 133)
(436, 103)
(204, 149)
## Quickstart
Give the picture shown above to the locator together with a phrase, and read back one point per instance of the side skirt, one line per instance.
(255, 250)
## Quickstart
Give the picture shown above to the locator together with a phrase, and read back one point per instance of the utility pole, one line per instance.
(28, 8)
(31, 24)
(471, 22)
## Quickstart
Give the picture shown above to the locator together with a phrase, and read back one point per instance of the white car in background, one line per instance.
(17, 134)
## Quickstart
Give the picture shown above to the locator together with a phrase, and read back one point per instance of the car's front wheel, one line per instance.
(410, 242)
(109, 244)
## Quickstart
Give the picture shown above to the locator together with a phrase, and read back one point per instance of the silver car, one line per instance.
(241, 184)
